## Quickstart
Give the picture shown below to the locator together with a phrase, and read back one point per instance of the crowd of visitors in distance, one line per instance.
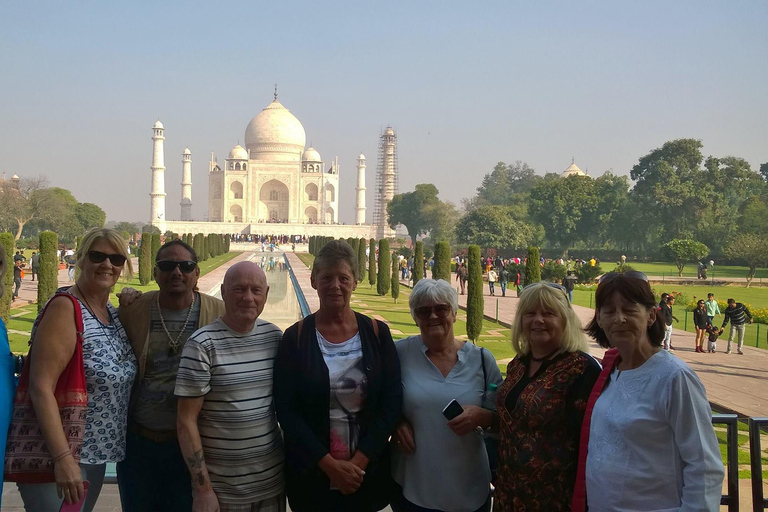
(205, 406)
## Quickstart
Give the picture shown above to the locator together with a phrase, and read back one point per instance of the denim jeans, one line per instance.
(153, 477)
(490, 285)
(736, 329)
(503, 288)
(668, 338)
(44, 497)
(570, 296)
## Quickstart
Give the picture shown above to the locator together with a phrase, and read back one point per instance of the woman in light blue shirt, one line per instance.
(442, 465)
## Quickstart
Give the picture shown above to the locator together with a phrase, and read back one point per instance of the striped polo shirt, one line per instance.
(238, 428)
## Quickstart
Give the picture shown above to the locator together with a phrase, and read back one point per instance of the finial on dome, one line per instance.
(275, 91)
(573, 160)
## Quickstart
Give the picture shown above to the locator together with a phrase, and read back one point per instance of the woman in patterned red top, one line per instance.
(541, 404)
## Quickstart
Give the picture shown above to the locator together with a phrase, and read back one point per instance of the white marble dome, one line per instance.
(238, 153)
(572, 170)
(275, 129)
(186, 151)
(311, 155)
(158, 124)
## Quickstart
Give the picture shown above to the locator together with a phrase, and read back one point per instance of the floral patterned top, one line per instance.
(110, 368)
(540, 423)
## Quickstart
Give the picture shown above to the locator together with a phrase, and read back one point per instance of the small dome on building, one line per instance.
(187, 151)
(572, 170)
(275, 129)
(311, 155)
(361, 156)
(389, 131)
(238, 153)
(15, 177)
(158, 124)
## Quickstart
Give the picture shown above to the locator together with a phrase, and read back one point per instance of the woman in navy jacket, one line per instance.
(338, 397)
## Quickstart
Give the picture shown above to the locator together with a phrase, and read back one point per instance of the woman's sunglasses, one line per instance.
(170, 265)
(610, 276)
(441, 311)
(117, 260)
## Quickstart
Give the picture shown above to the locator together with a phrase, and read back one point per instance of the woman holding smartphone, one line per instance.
(442, 464)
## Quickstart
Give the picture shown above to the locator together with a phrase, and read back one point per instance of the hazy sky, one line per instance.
(465, 85)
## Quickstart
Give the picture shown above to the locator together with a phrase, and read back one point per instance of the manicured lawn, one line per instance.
(669, 269)
(25, 321)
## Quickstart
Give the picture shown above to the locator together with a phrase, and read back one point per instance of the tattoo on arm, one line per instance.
(201, 480)
(196, 460)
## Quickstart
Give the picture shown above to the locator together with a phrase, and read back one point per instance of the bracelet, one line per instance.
(61, 456)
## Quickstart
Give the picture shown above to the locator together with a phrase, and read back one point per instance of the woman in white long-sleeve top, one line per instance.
(651, 441)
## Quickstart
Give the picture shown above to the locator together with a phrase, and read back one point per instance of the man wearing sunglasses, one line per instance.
(153, 475)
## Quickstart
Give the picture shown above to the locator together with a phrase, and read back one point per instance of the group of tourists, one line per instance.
(205, 406)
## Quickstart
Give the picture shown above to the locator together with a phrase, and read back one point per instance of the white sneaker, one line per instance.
(728, 351)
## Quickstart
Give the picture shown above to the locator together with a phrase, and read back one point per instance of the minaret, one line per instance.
(360, 202)
(157, 213)
(386, 181)
(186, 185)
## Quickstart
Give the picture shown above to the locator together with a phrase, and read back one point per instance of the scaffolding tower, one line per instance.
(386, 178)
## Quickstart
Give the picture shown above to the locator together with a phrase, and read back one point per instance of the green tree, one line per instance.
(130, 227)
(382, 280)
(372, 262)
(505, 184)
(197, 245)
(681, 251)
(532, 266)
(90, 216)
(494, 227)
(418, 210)
(48, 275)
(362, 243)
(20, 203)
(9, 244)
(227, 241)
(418, 263)
(475, 301)
(204, 245)
(553, 271)
(145, 259)
(442, 268)
(751, 249)
(561, 205)
(395, 280)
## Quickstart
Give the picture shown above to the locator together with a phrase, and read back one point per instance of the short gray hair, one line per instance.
(333, 253)
(435, 290)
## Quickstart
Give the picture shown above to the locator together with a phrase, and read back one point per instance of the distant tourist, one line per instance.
(738, 314)
(492, 278)
(569, 283)
(34, 264)
(713, 308)
(666, 311)
(18, 274)
(701, 322)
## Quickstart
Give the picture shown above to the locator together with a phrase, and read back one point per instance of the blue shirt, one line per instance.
(446, 472)
(7, 389)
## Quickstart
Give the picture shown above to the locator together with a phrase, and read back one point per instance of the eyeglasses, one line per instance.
(441, 311)
(170, 265)
(632, 273)
(117, 260)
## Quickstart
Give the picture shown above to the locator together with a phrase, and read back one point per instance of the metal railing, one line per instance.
(732, 457)
(759, 503)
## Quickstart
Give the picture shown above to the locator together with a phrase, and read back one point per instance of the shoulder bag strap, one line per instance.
(579, 501)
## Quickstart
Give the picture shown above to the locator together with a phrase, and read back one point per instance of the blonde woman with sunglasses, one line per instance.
(110, 368)
(441, 463)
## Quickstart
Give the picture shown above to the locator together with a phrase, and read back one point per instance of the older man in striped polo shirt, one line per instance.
(227, 427)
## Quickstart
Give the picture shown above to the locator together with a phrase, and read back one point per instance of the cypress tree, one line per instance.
(475, 306)
(532, 266)
(361, 245)
(227, 241)
(48, 277)
(350, 242)
(395, 279)
(372, 262)
(383, 281)
(153, 254)
(418, 263)
(198, 246)
(9, 244)
(204, 245)
(145, 259)
(442, 268)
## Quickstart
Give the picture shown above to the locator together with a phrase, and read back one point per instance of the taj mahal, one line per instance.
(274, 185)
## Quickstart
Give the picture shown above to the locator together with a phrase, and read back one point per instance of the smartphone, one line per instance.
(452, 410)
(75, 507)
